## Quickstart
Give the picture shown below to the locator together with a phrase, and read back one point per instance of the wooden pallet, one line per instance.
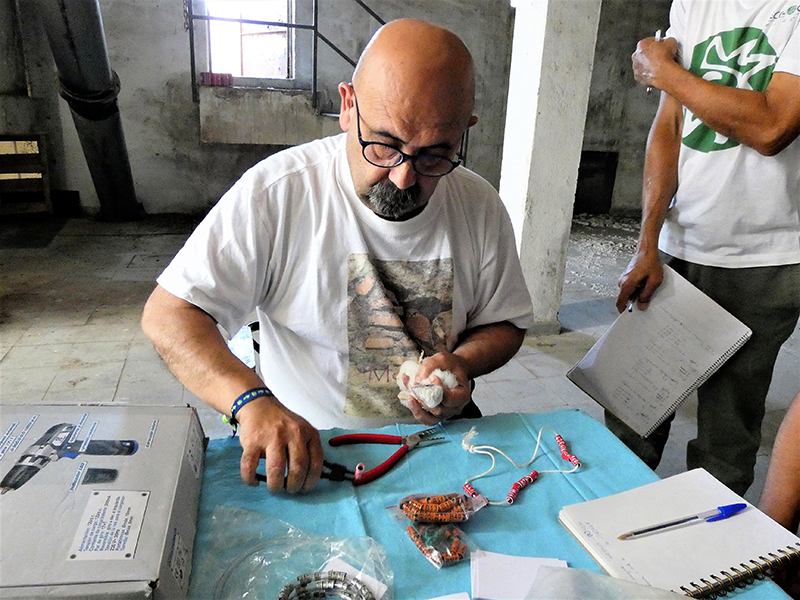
(24, 181)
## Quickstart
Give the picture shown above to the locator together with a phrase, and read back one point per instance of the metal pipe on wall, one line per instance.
(75, 32)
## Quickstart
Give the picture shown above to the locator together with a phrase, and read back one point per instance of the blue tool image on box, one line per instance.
(55, 444)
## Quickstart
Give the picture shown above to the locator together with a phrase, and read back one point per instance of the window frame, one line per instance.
(300, 51)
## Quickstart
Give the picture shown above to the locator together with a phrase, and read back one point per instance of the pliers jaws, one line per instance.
(362, 476)
(427, 436)
(330, 470)
(336, 472)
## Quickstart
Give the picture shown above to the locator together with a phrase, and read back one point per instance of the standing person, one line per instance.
(357, 252)
(721, 200)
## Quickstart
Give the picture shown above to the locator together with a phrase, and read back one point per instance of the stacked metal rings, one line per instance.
(331, 584)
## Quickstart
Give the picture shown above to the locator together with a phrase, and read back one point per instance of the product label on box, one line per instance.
(179, 562)
(21, 437)
(87, 440)
(109, 528)
(7, 440)
(152, 435)
(194, 450)
(9, 443)
(78, 474)
(79, 427)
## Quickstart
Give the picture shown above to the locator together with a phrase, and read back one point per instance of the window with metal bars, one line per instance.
(249, 43)
(246, 49)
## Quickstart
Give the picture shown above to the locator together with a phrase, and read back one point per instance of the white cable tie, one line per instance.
(466, 442)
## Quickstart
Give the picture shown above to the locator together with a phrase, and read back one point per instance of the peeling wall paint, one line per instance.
(258, 116)
(174, 171)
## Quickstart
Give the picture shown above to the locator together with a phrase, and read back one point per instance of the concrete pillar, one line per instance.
(548, 92)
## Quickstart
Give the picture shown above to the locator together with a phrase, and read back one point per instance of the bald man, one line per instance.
(357, 252)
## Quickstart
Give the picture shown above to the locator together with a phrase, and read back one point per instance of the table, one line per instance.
(233, 518)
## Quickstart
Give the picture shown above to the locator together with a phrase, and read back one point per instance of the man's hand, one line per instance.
(454, 400)
(290, 445)
(651, 58)
(190, 343)
(480, 350)
(640, 280)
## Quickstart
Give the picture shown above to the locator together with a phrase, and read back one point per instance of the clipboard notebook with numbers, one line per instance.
(696, 560)
(649, 361)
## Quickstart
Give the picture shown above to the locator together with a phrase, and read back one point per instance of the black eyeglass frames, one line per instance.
(388, 157)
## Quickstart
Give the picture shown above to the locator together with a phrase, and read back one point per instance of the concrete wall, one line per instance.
(28, 95)
(12, 73)
(238, 114)
(174, 171)
(551, 70)
(620, 112)
(486, 26)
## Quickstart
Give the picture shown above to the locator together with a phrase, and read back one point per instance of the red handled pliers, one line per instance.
(408, 442)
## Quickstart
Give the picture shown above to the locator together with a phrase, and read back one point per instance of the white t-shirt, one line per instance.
(734, 207)
(344, 297)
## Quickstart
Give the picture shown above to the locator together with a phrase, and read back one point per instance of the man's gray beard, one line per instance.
(389, 201)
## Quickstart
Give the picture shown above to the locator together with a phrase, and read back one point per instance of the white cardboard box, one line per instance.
(99, 501)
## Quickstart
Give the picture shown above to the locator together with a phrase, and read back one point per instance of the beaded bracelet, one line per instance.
(248, 396)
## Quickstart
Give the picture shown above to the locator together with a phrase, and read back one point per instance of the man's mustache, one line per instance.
(390, 201)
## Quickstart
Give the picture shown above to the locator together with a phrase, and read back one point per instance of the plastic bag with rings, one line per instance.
(250, 555)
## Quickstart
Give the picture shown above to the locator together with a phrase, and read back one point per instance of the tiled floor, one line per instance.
(70, 310)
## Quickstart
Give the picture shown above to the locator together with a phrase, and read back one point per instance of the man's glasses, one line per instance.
(388, 157)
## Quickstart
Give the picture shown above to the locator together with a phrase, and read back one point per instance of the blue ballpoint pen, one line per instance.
(719, 513)
(633, 297)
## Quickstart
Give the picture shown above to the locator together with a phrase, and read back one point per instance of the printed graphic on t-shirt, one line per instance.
(790, 13)
(396, 309)
(741, 58)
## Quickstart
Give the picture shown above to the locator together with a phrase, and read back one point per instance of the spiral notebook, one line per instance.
(696, 560)
(649, 361)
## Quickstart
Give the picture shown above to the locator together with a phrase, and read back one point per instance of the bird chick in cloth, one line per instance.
(428, 393)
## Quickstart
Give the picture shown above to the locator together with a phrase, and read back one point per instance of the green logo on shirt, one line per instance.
(741, 58)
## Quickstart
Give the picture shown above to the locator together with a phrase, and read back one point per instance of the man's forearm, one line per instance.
(765, 121)
(781, 496)
(489, 347)
(660, 181)
(190, 344)
(644, 272)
